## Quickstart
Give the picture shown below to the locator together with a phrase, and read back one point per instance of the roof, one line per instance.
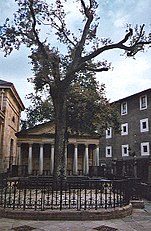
(40, 129)
(5, 83)
(8, 85)
(47, 129)
(134, 95)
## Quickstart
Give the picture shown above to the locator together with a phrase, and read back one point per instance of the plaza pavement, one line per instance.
(140, 220)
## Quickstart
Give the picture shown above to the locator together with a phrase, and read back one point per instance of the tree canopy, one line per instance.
(54, 68)
(88, 109)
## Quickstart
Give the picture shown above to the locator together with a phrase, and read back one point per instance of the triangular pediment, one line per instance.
(47, 129)
(41, 129)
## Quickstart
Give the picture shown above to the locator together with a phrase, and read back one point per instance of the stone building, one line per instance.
(36, 151)
(10, 112)
(129, 152)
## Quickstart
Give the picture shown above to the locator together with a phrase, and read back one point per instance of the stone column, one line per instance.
(97, 156)
(75, 160)
(86, 160)
(52, 159)
(41, 159)
(30, 160)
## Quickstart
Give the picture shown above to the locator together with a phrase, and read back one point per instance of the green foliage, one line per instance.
(40, 111)
(88, 110)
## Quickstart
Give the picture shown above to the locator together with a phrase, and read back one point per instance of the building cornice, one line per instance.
(10, 86)
(134, 95)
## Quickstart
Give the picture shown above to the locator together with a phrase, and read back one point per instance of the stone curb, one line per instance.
(137, 204)
(100, 214)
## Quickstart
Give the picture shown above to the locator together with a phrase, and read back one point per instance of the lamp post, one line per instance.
(133, 155)
(134, 164)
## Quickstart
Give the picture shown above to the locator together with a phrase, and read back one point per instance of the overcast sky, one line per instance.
(128, 76)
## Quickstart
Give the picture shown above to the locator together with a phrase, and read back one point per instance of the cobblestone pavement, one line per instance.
(140, 220)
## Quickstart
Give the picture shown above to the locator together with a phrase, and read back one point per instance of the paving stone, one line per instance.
(23, 228)
(105, 228)
(140, 220)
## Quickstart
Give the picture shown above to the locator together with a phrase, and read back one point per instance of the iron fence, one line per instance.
(144, 190)
(43, 194)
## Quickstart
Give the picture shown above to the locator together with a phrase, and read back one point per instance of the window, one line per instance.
(145, 148)
(124, 129)
(125, 150)
(144, 125)
(108, 151)
(109, 133)
(124, 108)
(143, 102)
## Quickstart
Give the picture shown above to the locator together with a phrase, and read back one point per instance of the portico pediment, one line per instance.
(46, 131)
(41, 129)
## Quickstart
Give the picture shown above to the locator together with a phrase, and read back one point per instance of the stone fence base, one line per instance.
(100, 214)
(137, 204)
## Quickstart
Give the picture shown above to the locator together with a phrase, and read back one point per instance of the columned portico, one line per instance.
(77, 159)
(36, 151)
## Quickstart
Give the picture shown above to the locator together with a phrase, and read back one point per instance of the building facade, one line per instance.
(36, 151)
(10, 112)
(129, 152)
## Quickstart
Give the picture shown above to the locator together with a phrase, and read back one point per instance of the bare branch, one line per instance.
(130, 33)
(40, 44)
(61, 29)
(84, 7)
(89, 14)
(97, 69)
(119, 45)
(132, 50)
(141, 32)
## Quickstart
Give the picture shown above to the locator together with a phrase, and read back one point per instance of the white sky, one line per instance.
(128, 76)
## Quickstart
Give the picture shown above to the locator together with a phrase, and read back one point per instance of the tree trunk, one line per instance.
(60, 134)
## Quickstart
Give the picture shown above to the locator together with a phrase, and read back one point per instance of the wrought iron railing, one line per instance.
(79, 194)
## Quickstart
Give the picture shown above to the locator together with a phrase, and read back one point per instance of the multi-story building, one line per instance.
(129, 152)
(10, 112)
